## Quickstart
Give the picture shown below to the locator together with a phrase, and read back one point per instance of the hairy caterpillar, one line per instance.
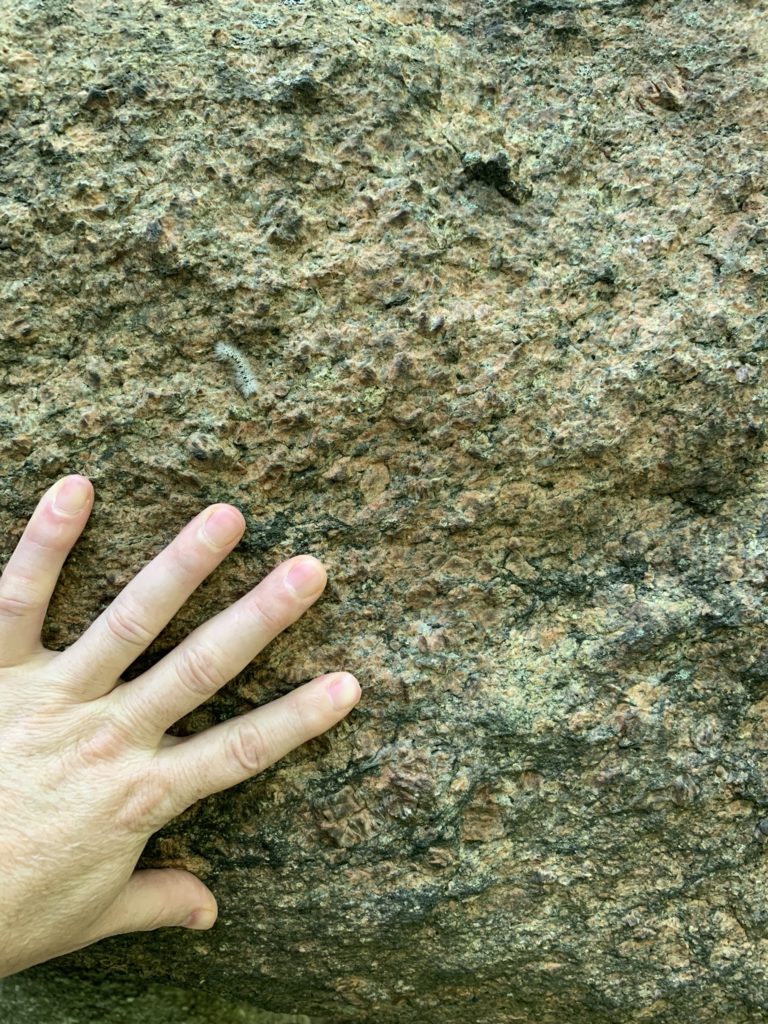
(246, 378)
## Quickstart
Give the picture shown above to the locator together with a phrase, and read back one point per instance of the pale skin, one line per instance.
(88, 770)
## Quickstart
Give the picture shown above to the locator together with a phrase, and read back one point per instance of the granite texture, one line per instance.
(499, 272)
(107, 1000)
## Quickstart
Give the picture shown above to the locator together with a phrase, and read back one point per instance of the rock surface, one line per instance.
(499, 273)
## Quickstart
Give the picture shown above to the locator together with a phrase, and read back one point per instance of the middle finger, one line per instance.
(219, 649)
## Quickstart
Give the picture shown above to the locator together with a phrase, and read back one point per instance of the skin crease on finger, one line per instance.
(88, 771)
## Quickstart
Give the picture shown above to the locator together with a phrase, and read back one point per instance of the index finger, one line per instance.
(233, 751)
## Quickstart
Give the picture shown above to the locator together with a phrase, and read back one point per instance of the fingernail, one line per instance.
(72, 496)
(222, 527)
(344, 691)
(201, 919)
(305, 578)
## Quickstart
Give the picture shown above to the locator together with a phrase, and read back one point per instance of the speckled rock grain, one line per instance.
(500, 272)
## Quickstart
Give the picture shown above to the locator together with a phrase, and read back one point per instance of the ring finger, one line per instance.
(93, 663)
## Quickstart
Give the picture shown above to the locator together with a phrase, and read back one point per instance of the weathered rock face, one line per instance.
(500, 275)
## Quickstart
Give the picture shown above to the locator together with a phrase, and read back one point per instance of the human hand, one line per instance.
(87, 771)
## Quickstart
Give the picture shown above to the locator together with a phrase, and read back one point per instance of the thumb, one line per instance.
(159, 898)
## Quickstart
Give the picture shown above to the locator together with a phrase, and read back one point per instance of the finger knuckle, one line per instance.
(270, 616)
(106, 740)
(310, 714)
(146, 805)
(199, 670)
(248, 749)
(159, 917)
(187, 560)
(123, 620)
(17, 600)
